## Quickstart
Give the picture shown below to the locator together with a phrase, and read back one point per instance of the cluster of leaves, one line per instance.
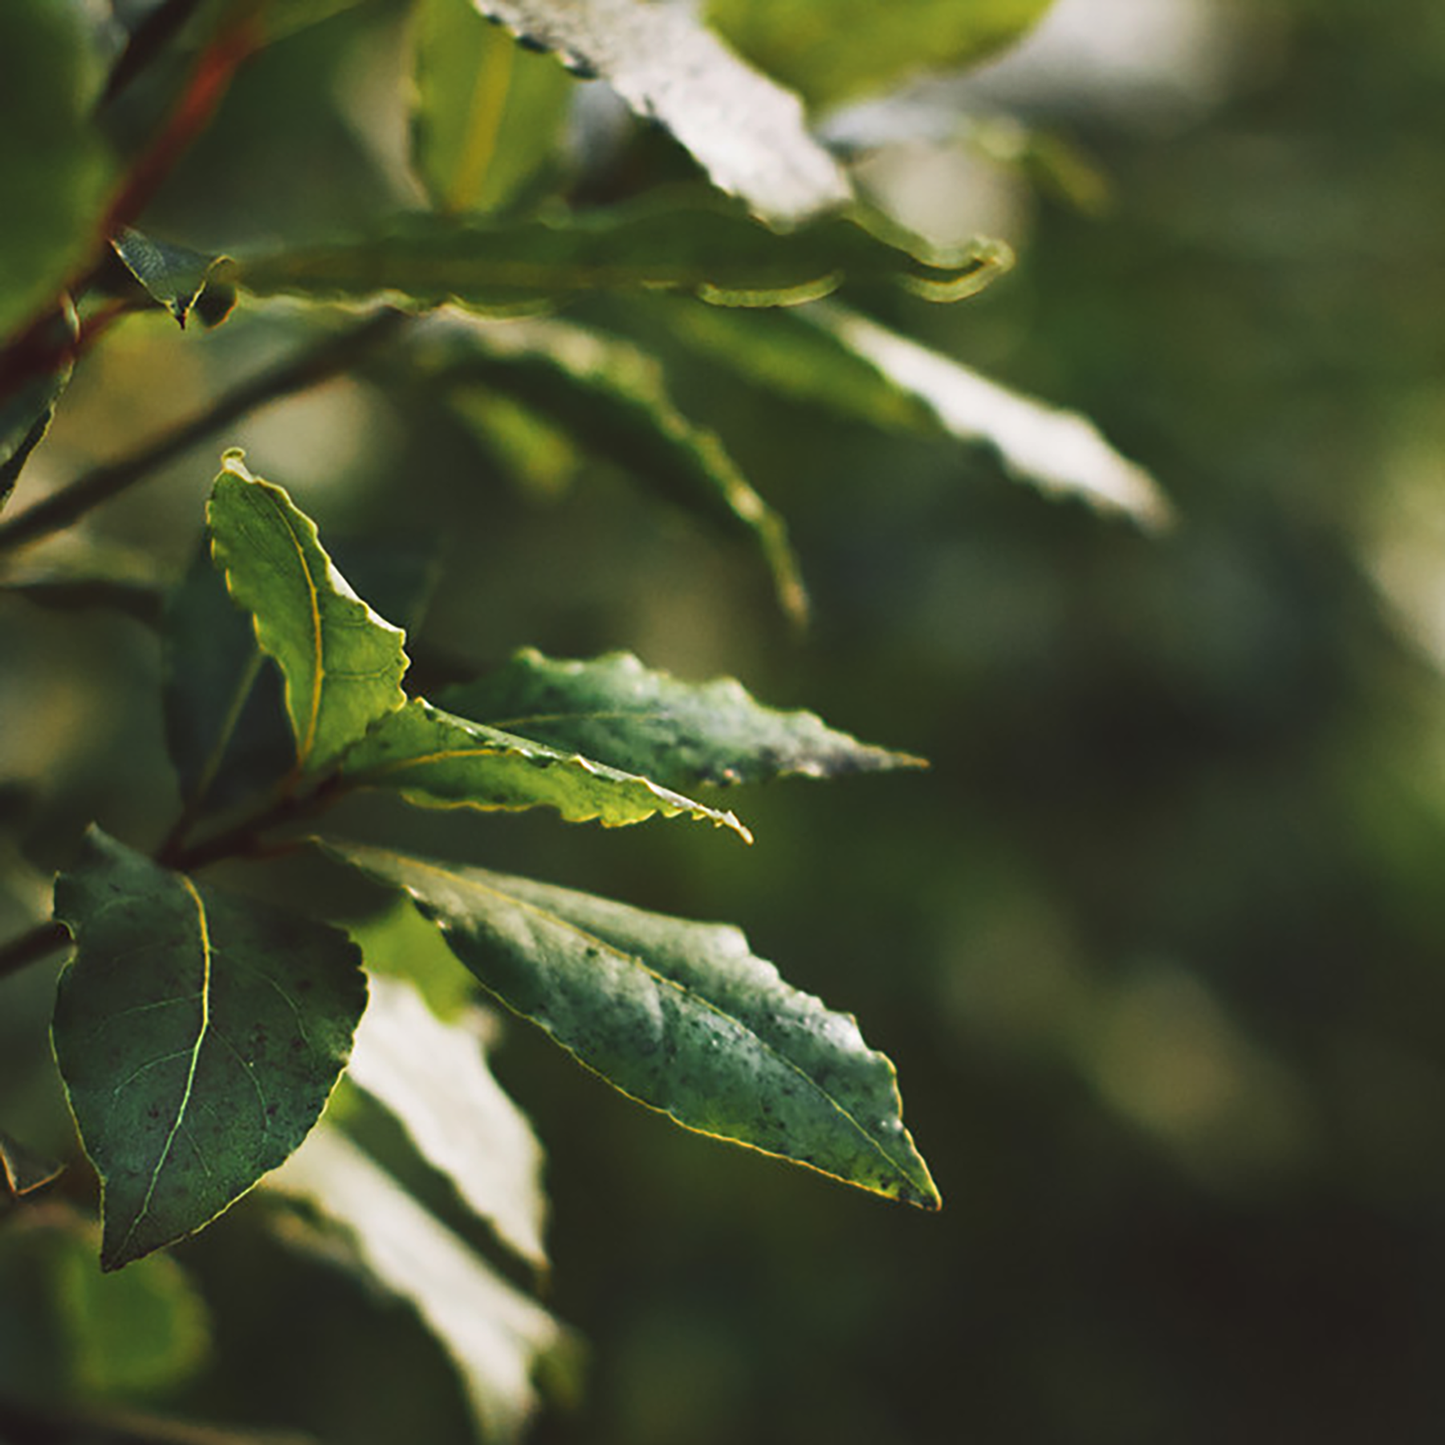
(200, 1033)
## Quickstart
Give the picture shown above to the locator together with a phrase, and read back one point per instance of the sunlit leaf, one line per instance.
(198, 1035)
(1057, 451)
(175, 276)
(646, 721)
(680, 1015)
(69, 1333)
(439, 760)
(55, 169)
(711, 251)
(747, 132)
(493, 1333)
(830, 49)
(342, 664)
(486, 114)
(612, 399)
(433, 1077)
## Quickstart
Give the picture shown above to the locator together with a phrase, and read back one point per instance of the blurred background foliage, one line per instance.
(1158, 945)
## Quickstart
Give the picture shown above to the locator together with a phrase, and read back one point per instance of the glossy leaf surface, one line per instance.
(611, 398)
(198, 1035)
(433, 1077)
(831, 49)
(679, 1015)
(494, 1334)
(710, 251)
(439, 760)
(746, 131)
(342, 663)
(647, 721)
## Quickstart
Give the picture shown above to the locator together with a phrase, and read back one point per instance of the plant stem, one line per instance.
(318, 363)
(43, 939)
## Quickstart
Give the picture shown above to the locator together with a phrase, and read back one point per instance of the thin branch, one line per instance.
(42, 940)
(318, 363)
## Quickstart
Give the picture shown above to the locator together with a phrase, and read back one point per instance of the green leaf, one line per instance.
(22, 1169)
(438, 760)
(833, 49)
(486, 116)
(26, 414)
(175, 277)
(1057, 451)
(69, 1333)
(55, 169)
(648, 722)
(717, 253)
(746, 132)
(612, 399)
(342, 664)
(433, 1077)
(225, 708)
(494, 1334)
(680, 1016)
(198, 1035)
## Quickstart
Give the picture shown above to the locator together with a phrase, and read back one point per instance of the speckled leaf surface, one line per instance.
(342, 664)
(711, 251)
(198, 1035)
(681, 1016)
(647, 721)
(439, 760)
(745, 130)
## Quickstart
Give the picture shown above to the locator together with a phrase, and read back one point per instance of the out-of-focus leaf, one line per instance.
(198, 1035)
(612, 397)
(433, 1077)
(438, 760)
(22, 1169)
(648, 722)
(1057, 451)
(175, 277)
(832, 49)
(55, 169)
(26, 414)
(342, 664)
(69, 1333)
(679, 1015)
(494, 1334)
(506, 268)
(486, 114)
(225, 708)
(747, 132)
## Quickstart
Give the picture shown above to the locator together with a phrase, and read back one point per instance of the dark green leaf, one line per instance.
(831, 49)
(710, 251)
(438, 760)
(22, 1169)
(746, 132)
(486, 116)
(342, 664)
(612, 398)
(55, 169)
(646, 721)
(26, 414)
(198, 1035)
(679, 1015)
(175, 276)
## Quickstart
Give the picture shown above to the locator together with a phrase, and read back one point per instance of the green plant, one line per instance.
(200, 1028)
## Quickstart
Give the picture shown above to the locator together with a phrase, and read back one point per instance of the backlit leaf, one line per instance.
(198, 1035)
(831, 49)
(711, 251)
(439, 760)
(648, 722)
(681, 1016)
(433, 1077)
(612, 399)
(494, 1334)
(342, 664)
(175, 276)
(746, 131)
